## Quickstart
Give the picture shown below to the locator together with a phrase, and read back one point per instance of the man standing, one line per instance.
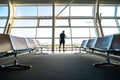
(62, 40)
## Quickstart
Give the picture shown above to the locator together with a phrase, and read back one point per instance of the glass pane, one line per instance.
(45, 10)
(107, 10)
(82, 22)
(45, 22)
(3, 11)
(81, 10)
(92, 32)
(83, 32)
(109, 31)
(118, 11)
(119, 21)
(3, 22)
(23, 32)
(44, 32)
(25, 11)
(58, 9)
(45, 41)
(62, 22)
(1, 30)
(24, 23)
(108, 22)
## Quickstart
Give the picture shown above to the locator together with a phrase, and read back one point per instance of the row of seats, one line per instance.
(12, 47)
(108, 44)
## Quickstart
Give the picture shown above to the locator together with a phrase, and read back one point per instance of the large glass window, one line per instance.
(81, 10)
(45, 10)
(108, 22)
(77, 34)
(25, 11)
(1, 30)
(82, 22)
(62, 22)
(107, 10)
(45, 41)
(3, 11)
(109, 31)
(2, 22)
(118, 11)
(58, 9)
(75, 10)
(83, 32)
(119, 21)
(45, 22)
(24, 32)
(25, 23)
(44, 32)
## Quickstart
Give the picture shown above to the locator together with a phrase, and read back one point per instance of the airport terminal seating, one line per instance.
(40, 48)
(103, 45)
(108, 44)
(90, 44)
(11, 49)
(37, 45)
(31, 44)
(83, 45)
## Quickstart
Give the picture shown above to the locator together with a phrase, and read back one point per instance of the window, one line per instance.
(118, 11)
(25, 23)
(23, 32)
(81, 10)
(119, 21)
(44, 32)
(45, 41)
(83, 32)
(45, 22)
(25, 11)
(62, 22)
(1, 30)
(82, 22)
(3, 11)
(58, 9)
(107, 10)
(2, 22)
(45, 10)
(109, 31)
(108, 22)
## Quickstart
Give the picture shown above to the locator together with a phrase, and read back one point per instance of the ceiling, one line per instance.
(61, 1)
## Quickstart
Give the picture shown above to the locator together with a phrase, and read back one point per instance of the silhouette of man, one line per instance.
(62, 40)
